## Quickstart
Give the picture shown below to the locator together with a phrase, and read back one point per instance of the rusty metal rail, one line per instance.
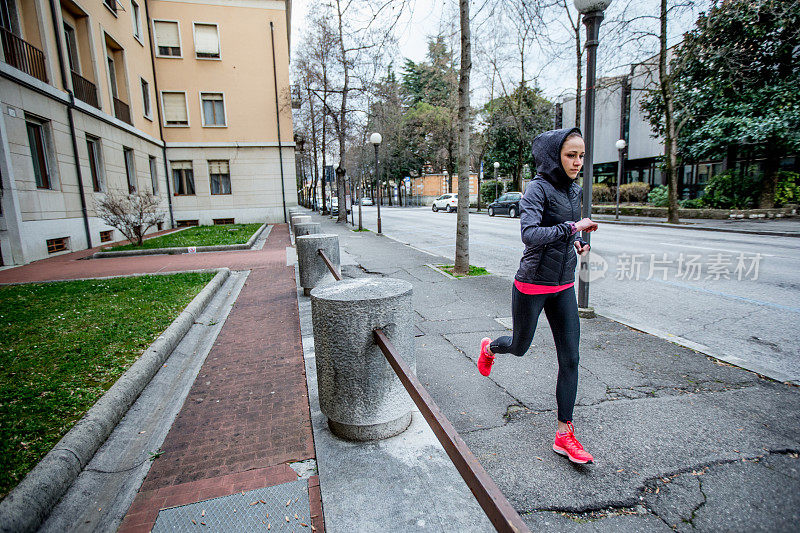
(328, 263)
(497, 508)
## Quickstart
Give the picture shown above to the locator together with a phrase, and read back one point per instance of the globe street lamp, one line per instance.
(592, 11)
(496, 180)
(376, 139)
(620, 144)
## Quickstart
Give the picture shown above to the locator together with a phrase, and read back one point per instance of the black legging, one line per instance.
(561, 309)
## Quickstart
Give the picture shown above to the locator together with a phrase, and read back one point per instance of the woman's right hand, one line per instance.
(586, 224)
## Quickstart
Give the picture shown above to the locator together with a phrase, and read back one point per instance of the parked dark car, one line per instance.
(507, 204)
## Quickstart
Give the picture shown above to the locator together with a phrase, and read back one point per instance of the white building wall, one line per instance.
(642, 141)
(606, 121)
(256, 194)
(54, 213)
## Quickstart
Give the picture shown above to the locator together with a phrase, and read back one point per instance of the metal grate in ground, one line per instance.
(279, 508)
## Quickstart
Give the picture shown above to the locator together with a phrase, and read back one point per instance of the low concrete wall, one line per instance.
(650, 211)
(185, 249)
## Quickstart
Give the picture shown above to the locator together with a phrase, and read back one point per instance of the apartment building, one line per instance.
(180, 98)
(428, 187)
(619, 115)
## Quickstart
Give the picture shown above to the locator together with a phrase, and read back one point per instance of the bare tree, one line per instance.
(132, 214)
(575, 27)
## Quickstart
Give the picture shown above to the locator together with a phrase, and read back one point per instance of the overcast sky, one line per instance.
(555, 77)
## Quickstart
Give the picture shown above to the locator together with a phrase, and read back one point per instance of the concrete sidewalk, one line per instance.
(681, 441)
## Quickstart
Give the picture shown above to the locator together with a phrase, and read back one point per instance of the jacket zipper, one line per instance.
(567, 244)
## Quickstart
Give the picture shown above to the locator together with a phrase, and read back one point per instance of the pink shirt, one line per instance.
(532, 288)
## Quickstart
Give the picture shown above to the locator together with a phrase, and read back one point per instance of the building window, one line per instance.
(168, 41)
(57, 245)
(174, 104)
(206, 41)
(213, 109)
(72, 48)
(137, 20)
(8, 17)
(145, 97)
(112, 76)
(154, 174)
(223, 221)
(130, 171)
(220, 177)
(112, 5)
(36, 140)
(182, 177)
(107, 236)
(187, 223)
(93, 148)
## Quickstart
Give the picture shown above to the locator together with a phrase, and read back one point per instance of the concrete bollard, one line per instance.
(299, 219)
(307, 228)
(358, 390)
(312, 267)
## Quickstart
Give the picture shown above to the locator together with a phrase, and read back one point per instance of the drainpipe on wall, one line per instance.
(277, 116)
(158, 112)
(70, 118)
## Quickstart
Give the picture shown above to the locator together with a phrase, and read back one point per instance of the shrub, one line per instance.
(634, 192)
(132, 214)
(487, 191)
(659, 196)
(787, 190)
(730, 190)
(601, 193)
(693, 203)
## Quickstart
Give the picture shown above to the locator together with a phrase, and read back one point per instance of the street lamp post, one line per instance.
(592, 11)
(620, 144)
(376, 139)
(496, 179)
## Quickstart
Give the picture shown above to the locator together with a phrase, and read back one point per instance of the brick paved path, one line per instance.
(247, 415)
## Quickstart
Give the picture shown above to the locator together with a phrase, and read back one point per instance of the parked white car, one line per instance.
(448, 202)
(366, 201)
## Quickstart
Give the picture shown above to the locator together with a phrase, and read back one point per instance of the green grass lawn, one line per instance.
(220, 234)
(473, 270)
(64, 344)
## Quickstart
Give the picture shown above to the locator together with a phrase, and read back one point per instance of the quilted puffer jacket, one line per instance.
(551, 201)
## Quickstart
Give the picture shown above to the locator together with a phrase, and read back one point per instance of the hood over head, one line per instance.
(547, 155)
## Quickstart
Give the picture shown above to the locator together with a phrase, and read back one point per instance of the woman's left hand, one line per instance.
(582, 249)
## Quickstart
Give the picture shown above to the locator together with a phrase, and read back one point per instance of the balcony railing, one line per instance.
(122, 111)
(85, 90)
(23, 55)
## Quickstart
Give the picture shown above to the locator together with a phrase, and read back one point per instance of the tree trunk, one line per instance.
(462, 220)
(342, 131)
(766, 199)
(670, 140)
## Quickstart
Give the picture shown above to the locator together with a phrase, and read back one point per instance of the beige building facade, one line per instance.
(177, 98)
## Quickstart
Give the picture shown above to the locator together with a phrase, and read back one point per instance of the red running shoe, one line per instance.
(567, 444)
(485, 361)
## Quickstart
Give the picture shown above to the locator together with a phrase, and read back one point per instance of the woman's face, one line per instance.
(572, 153)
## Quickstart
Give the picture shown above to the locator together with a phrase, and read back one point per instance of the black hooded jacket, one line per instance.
(551, 201)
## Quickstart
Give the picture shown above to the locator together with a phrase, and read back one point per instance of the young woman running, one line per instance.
(546, 274)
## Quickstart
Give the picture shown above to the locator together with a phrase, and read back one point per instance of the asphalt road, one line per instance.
(737, 296)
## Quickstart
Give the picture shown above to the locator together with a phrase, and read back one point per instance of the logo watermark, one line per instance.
(684, 267)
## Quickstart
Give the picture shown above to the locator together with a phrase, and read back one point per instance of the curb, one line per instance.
(700, 228)
(705, 350)
(28, 505)
(184, 249)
